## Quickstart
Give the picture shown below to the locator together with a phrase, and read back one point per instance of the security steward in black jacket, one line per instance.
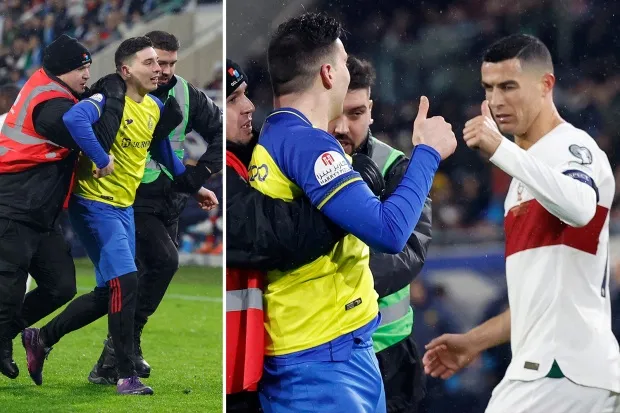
(160, 200)
(37, 160)
(394, 344)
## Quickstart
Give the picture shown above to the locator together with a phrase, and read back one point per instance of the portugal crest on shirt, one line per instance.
(520, 189)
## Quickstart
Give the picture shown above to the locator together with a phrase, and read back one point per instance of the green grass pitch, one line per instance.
(182, 342)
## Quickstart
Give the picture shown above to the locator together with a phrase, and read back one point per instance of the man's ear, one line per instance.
(370, 111)
(327, 76)
(548, 81)
(124, 72)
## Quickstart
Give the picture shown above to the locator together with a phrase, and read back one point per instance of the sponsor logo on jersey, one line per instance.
(258, 173)
(329, 166)
(353, 304)
(128, 143)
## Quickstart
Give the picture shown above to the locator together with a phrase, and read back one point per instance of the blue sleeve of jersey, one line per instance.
(79, 120)
(159, 103)
(316, 162)
(162, 152)
(386, 226)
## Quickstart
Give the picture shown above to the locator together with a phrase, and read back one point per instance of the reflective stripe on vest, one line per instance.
(15, 133)
(396, 312)
(243, 300)
(396, 319)
(180, 92)
(20, 147)
(245, 331)
(384, 155)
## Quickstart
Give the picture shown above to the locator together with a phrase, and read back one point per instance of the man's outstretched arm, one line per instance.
(449, 353)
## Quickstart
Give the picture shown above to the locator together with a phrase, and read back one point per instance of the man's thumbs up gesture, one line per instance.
(482, 133)
(434, 132)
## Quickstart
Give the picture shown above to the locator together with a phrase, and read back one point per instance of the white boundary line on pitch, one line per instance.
(202, 298)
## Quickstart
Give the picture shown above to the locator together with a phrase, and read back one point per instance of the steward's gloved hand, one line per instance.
(171, 117)
(111, 86)
(370, 173)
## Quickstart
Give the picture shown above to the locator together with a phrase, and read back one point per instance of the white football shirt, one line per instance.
(557, 253)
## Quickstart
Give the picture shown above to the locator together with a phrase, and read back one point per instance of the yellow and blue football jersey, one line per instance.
(334, 294)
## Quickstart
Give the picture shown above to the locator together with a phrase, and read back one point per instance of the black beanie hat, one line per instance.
(64, 55)
(234, 77)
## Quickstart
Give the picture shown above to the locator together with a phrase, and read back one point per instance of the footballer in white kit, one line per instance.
(565, 358)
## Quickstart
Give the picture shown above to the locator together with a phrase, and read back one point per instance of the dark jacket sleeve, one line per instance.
(393, 272)
(47, 118)
(106, 128)
(205, 117)
(263, 233)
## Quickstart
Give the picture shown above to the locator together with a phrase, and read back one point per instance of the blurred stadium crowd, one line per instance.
(434, 48)
(26, 27)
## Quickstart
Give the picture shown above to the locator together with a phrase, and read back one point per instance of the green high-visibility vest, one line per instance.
(180, 92)
(396, 312)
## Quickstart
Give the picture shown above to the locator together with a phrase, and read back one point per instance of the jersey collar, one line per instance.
(290, 112)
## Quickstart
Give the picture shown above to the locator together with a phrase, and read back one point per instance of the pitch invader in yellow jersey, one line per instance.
(101, 208)
(320, 317)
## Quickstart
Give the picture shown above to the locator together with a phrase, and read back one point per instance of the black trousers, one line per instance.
(157, 259)
(118, 300)
(46, 255)
(244, 402)
(403, 376)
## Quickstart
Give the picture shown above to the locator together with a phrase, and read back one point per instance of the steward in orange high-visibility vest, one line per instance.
(21, 147)
(37, 159)
(245, 334)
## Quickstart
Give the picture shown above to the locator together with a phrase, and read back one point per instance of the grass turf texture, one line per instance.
(182, 342)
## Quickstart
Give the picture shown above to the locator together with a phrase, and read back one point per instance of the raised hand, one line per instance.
(434, 132)
(482, 133)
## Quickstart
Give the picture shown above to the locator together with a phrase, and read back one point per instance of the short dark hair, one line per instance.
(528, 49)
(164, 40)
(362, 72)
(298, 48)
(8, 94)
(128, 48)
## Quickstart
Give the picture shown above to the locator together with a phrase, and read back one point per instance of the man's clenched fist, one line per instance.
(482, 133)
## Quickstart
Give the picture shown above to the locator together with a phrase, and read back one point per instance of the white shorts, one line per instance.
(551, 395)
